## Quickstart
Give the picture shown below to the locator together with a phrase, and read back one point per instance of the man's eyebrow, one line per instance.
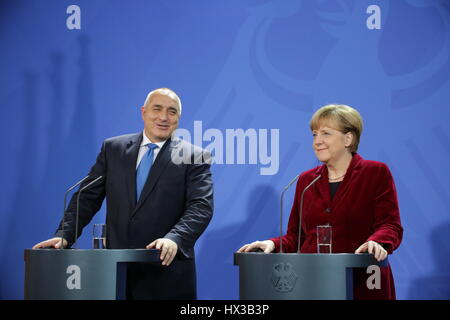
(162, 107)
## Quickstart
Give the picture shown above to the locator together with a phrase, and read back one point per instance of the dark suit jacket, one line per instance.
(176, 203)
(364, 208)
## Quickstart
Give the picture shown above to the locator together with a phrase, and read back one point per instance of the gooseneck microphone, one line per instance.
(281, 211)
(65, 204)
(78, 206)
(301, 212)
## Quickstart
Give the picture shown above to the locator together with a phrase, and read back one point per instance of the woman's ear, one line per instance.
(348, 139)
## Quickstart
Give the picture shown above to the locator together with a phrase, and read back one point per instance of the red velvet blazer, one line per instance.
(364, 208)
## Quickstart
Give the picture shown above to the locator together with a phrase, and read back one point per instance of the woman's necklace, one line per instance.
(333, 179)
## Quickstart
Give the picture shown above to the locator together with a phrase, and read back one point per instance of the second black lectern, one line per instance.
(74, 274)
(291, 276)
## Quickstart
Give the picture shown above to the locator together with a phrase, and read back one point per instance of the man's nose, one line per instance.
(163, 116)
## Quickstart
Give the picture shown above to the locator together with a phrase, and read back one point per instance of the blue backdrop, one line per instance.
(73, 76)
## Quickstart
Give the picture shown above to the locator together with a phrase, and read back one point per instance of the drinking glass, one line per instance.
(99, 236)
(324, 239)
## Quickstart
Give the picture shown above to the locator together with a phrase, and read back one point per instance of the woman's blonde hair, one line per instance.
(341, 117)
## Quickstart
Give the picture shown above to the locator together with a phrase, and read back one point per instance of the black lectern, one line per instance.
(73, 274)
(291, 276)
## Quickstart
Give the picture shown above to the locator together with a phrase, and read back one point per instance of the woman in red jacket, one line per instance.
(356, 197)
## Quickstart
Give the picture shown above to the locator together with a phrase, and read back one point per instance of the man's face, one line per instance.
(160, 115)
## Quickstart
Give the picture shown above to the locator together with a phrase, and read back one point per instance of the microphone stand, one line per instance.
(78, 205)
(301, 212)
(65, 204)
(281, 211)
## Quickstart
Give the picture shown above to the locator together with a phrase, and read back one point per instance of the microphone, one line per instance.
(281, 211)
(301, 211)
(78, 206)
(65, 204)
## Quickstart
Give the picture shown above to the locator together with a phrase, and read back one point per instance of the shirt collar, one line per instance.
(146, 140)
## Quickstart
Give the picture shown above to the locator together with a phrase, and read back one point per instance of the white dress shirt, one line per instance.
(143, 148)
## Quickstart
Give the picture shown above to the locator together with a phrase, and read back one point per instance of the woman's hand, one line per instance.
(267, 246)
(374, 248)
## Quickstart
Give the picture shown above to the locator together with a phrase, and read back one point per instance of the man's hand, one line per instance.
(51, 243)
(168, 249)
(374, 248)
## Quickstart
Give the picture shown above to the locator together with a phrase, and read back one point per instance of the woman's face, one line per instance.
(330, 144)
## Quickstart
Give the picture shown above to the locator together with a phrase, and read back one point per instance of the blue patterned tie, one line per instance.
(143, 169)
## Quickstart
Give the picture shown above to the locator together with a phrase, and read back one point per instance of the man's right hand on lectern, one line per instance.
(51, 243)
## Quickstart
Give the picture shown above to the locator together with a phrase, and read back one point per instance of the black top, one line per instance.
(333, 188)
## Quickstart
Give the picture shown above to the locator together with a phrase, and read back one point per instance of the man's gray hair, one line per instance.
(166, 92)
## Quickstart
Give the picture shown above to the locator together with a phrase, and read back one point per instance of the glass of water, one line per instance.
(99, 236)
(324, 236)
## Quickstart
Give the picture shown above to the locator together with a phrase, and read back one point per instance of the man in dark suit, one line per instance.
(159, 194)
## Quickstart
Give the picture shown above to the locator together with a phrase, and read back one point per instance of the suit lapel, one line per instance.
(349, 176)
(322, 186)
(131, 154)
(156, 170)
